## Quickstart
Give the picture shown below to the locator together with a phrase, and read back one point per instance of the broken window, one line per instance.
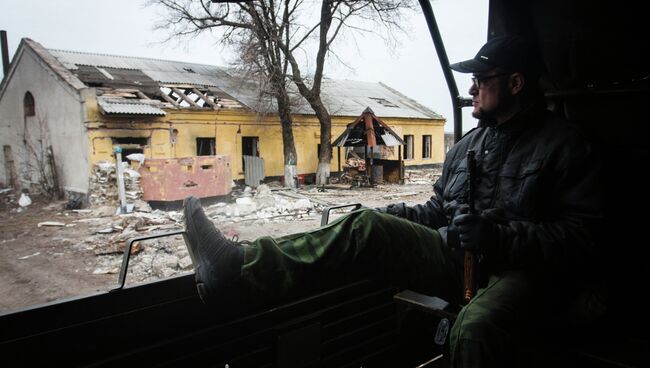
(206, 147)
(29, 105)
(130, 145)
(249, 147)
(426, 146)
(408, 149)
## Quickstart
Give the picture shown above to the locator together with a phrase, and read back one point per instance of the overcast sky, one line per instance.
(124, 27)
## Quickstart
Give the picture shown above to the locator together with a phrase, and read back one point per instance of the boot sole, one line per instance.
(188, 243)
(200, 285)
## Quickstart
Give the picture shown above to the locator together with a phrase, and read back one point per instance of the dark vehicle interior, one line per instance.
(596, 76)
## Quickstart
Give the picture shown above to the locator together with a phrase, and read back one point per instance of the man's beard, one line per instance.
(485, 119)
(481, 114)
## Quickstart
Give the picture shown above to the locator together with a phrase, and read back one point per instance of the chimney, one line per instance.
(5, 53)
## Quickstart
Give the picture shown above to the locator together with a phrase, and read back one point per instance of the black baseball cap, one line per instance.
(511, 53)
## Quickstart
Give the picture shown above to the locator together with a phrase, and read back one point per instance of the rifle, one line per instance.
(470, 264)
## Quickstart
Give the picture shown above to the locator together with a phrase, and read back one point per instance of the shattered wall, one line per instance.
(174, 179)
(103, 184)
(175, 136)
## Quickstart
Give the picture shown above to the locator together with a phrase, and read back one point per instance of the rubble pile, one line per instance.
(265, 205)
(165, 257)
(103, 184)
(7, 198)
(422, 176)
(104, 233)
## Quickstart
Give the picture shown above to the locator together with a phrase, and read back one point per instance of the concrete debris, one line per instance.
(399, 195)
(105, 270)
(166, 257)
(82, 211)
(30, 256)
(141, 206)
(185, 263)
(103, 185)
(50, 223)
(24, 200)
(422, 176)
(119, 247)
(136, 157)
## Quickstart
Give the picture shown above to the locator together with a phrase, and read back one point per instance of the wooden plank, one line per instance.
(168, 99)
(142, 95)
(184, 97)
(205, 98)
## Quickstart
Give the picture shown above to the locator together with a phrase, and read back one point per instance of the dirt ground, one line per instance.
(79, 252)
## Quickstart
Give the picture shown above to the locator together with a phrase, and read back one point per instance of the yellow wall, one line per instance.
(174, 135)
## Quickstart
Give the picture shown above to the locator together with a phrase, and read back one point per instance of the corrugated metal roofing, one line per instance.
(120, 107)
(390, 141)
(342, 97)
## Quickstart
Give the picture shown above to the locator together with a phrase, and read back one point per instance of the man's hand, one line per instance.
(476, 233)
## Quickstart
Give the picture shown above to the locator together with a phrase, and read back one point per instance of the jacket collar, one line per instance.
(524, 119)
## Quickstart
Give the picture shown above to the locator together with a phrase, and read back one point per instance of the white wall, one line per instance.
(59, 114)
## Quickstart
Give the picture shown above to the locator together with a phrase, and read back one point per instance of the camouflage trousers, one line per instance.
(363, 244)
(375, 245)
(501, 318)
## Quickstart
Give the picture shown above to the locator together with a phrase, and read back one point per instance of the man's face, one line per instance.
(489, 94)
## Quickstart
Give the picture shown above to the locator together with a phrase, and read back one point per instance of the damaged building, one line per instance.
(199, 127)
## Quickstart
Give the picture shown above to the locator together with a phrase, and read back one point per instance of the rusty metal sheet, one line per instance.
(173, 179)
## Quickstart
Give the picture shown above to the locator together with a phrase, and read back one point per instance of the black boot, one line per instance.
(217, 260)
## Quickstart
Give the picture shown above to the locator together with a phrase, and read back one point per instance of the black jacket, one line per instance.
(537, 179)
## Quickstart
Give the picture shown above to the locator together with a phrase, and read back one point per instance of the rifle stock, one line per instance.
(470, 265)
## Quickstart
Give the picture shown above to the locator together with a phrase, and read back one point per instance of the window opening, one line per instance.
(249, 147)
(426, 146)
(408, 149)
(130, 145)
(206, 147)
(29, 105)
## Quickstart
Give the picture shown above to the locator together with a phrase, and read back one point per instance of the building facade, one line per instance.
(63, 112)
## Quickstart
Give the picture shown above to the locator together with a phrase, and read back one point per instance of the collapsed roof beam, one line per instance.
(142, 95)
(168, 99)
(182, 95)
(205, 98)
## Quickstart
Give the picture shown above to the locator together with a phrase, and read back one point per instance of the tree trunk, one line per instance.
(289, 146)
(325, 152)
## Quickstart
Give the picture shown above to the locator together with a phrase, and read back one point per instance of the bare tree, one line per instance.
(253, 30)
(267, 36)
(40, 161)
(335, 15)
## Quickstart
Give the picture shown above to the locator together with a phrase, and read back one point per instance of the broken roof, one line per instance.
(368, 130)
(342, 97)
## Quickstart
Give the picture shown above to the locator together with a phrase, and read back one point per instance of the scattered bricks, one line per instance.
(185, 263)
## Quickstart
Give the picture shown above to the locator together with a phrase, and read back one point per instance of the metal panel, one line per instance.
(127, 108)
(253, 170)
(172, 328)
(172, 179)
(342, 97)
